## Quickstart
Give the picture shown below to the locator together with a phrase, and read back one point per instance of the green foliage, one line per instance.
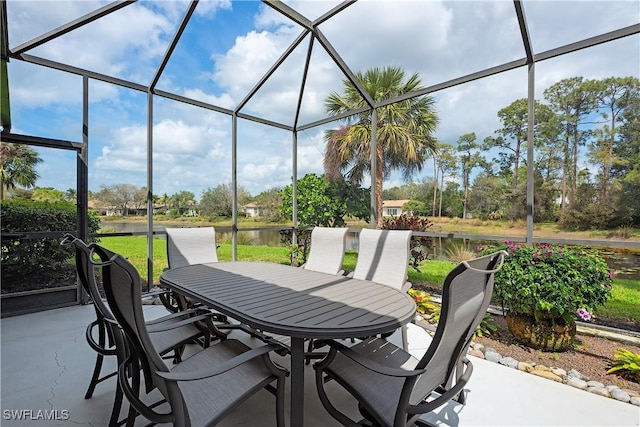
(22, 257)
(419, 245)
(626, 363)
(323, 203)
(551, 281)
(486, 326)
(424, 305)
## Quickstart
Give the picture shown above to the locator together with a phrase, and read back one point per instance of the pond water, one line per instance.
(625, 262)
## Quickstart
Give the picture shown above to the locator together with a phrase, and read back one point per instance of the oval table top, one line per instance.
(293, 301)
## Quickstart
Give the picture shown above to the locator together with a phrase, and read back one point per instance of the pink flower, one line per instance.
(583, 314)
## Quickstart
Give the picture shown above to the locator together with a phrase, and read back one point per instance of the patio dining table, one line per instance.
(294, 302)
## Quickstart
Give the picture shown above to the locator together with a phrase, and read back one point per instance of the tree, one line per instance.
(219, 201)
(513, 134)
(325, 203)
(572, 102)
(17, 167)
(181, 200)
(614, 95)
(469, 159)
(71, 195)
(121, 196)
(270, 203)
(48, 194)
(447, 165)
(404, 130)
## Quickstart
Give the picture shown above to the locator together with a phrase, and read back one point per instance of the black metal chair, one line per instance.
(393, 388)
(201, 389)
(169, 333)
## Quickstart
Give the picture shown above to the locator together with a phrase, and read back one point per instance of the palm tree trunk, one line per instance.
(379, 176)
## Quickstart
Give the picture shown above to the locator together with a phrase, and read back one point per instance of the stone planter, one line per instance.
(549, 334)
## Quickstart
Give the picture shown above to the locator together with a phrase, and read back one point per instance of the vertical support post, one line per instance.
(530, 141)
(149, 190)
(294, 188)
(82, 180)
(234, 186)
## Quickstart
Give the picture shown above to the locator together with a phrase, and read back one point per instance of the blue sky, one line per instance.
(227, 48)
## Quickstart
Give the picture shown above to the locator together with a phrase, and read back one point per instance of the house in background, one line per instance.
(393, 207)
(251, 209)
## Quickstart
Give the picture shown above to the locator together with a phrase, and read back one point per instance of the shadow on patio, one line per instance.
(46, 366)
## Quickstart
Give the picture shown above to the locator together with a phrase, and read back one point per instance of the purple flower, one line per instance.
(583, 314)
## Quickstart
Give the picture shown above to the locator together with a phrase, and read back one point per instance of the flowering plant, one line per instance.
(424, 305)
(551, 281)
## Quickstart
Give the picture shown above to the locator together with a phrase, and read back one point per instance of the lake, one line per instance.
(625, 262)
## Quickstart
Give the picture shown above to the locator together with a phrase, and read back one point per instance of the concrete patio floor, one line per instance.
(46, 365)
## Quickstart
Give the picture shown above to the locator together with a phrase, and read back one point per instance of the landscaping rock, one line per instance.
(476, 353)
(600, 391)
(492, 356)
(577, 383)
(525, 367)
(559, 372)
(509, 361)
(595, 384)
(547, 374)
(620, 395)
(541, 368)
(635, 401)
(576, 374)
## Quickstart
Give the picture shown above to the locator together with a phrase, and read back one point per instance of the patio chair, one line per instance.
(187, 246)
(392, 387)
(170, 333)
(201, 389)
(383, 257)
(327, 250)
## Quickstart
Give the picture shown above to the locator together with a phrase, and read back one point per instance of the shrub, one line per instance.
(23, 257)
(548, 281)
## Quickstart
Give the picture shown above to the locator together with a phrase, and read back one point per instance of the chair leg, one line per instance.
(117, 405)
(405, 340)
(95, 378)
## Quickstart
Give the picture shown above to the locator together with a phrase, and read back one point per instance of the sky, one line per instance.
(227, 48)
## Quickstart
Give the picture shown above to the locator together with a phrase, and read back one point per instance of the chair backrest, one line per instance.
(383, 257)
(186, 246)
(327, 249)
(87, 277)
(466, 295)
(123, 289)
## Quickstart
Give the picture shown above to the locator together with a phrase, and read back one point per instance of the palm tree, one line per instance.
(17, 167)
(404, 130)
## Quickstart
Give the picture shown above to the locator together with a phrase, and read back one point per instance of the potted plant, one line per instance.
(545, 288)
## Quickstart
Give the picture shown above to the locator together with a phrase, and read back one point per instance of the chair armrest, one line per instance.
(184, 313)
(423, 408)
(370, 364)
(160, 327)
(221, 368)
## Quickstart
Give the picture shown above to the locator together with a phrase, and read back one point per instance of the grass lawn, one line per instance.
(624, 301)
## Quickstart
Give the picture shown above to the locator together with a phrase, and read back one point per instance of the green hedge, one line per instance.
(24, 257)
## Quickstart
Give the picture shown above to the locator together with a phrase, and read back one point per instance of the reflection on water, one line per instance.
(624, 262)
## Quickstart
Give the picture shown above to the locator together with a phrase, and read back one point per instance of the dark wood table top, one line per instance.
(293, 301)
